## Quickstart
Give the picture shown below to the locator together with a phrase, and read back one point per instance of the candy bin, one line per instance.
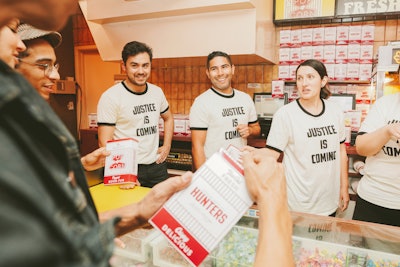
(237, 249)
(137, 250)
(165, 255)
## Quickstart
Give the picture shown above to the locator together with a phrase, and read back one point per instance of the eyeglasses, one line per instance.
(47, 68)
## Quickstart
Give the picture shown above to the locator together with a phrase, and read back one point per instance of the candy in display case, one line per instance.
(165, 255)
(374, 237)
(330, 241)
(308, 252)
(237, 249)
(317, 241)
(136, 251)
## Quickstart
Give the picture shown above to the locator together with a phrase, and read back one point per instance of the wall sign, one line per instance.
(298, 9)
(358, 7)
(297, 12)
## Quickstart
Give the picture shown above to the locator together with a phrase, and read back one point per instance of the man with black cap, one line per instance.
(38, 62)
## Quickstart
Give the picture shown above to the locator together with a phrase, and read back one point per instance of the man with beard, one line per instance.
(222, 115)
(132, 108)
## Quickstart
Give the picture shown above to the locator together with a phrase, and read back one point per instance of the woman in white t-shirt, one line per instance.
(378, 191)
(310, 132)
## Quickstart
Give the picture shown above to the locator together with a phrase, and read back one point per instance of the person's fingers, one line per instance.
(127, 186)
(248, 148)
(161, 192)
(119, 243)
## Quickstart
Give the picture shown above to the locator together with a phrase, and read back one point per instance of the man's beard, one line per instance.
(133, 81)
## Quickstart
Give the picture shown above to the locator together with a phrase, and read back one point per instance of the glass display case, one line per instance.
(317, 241)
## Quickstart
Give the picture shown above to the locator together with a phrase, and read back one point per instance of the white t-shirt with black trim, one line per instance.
(381, 182)
(219, 115)
(134, 115)
(311, 146)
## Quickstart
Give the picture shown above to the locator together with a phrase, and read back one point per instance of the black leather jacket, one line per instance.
(45, 218)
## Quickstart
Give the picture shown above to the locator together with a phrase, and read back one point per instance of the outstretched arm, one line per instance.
(266, 184)
(136, 215)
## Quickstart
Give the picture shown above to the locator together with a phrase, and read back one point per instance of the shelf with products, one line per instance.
(180, 155)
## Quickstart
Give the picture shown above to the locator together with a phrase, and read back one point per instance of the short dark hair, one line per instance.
(321, 69)
(133, 48)
(218, 54)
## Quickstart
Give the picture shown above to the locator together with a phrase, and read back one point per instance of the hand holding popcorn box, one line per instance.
(121, 165)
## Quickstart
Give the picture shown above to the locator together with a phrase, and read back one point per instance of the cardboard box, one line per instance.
(363, 93)
(367, 34)
(284, 38)
(355, 34)
(277, 88)
(329, 54)
(295, 38)
(295, 55)
(341, 54)
(318, 52)
(292, 71)
(330, 69)
(306, 52)
(340, 71)
(338, 88)
(353, 53)
(363, 107)
(365, 72)
(351, 88)
(306, 36)
(355, 119)
(283, 72)
(353, 71)
(342, 35)
(293, 92)
(188, 221)
(92, 120)
(181, 124)
(318, 36)
(330, 35)
(284, 56)
(121, 165)
(366, 53)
